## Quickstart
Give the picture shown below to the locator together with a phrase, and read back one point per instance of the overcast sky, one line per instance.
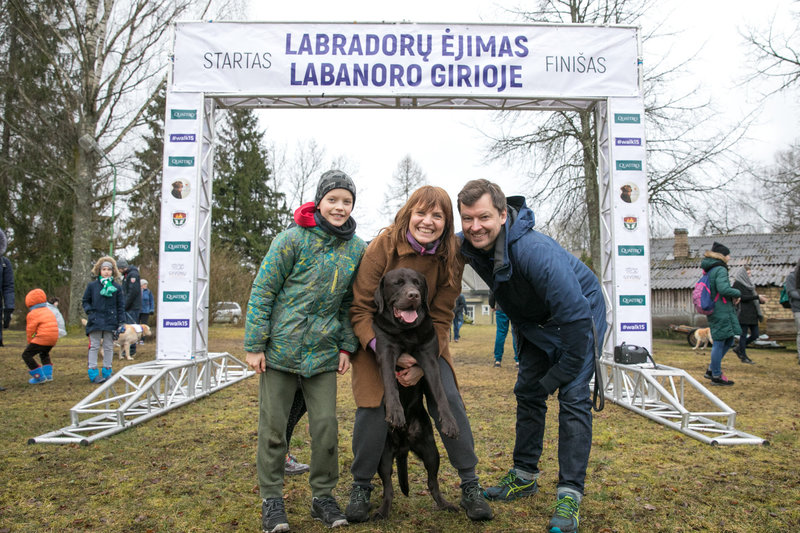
(449, 145)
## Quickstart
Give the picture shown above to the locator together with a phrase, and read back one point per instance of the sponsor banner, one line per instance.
(302, 59)
(183, 131)
(632, 310)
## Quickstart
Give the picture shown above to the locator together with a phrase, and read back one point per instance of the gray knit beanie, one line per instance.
(334, 179)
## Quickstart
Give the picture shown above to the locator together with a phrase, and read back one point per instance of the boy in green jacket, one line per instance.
(298, 326)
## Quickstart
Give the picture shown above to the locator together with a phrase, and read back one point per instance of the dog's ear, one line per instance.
(423, 286)
(379, 296)
(146, 329)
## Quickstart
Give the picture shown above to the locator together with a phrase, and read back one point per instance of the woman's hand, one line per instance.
(406, 360)
(762, 299)
(344, 363)
(256, 361)
(409, 377)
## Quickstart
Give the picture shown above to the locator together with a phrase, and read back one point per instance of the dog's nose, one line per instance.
(413, 294)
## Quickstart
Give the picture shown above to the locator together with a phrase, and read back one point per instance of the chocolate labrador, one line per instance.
(402, 325)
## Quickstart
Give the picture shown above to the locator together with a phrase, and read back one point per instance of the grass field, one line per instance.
(193, 469)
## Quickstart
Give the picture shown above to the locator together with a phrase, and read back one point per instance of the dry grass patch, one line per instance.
(194, 469)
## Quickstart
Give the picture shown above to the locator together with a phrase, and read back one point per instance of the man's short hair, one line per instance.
(475, 189)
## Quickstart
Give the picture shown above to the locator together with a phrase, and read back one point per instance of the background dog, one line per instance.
(702, 338)
(402, 325)
(133, 333)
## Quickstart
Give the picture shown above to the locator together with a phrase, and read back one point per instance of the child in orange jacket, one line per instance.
(42, 330)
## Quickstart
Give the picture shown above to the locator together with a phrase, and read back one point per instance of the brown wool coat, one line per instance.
(379, 258)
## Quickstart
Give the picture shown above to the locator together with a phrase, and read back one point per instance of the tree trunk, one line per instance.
(81, 237)
(592, 189)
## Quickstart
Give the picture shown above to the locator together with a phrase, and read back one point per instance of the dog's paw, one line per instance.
(449, 427)
(395, 417)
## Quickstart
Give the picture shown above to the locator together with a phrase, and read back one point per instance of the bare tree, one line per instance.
(776, 53)
(307, 162)
(559, 150)
(779, 190)
(406, 179)
(105, 72)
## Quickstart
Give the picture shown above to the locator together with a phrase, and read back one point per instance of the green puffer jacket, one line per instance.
(298, 313)
(723, 321)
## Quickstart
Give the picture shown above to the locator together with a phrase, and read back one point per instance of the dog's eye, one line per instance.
(399, 282)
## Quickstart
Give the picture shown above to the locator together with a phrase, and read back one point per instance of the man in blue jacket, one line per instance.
(556, 305)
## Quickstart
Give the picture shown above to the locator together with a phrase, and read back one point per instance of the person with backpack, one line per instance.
(723, 321)
(792, 286)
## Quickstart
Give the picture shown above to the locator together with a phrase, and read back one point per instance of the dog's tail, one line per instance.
(402, 472)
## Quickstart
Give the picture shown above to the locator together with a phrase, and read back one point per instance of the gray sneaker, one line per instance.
(273, 516)
(291, 467)
(327, 511)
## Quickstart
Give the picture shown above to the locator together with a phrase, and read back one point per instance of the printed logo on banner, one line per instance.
(628, 141)
(179, 218)
(627, 118)
(631, 299)
(176, 322)
(633, 249)
(176, 296)
(180, 189)
(177, 270)
(623, 164)
(178, 246)
(629, 193)
(631, 274)
(633, 326)
(630, 223)
(183, 114)
(180, 161)
(182, 137)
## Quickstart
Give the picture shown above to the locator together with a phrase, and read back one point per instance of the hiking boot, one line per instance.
(566, 516)
(358, 508)
(327, 511)
(497, 364)
(511, 487)
(708, 374)
(722, 380)
(474, 503)
(291, 467)
(273, 516)
(737, 351)
(746, 360)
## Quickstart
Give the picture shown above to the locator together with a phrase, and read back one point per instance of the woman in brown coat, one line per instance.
(422, 238)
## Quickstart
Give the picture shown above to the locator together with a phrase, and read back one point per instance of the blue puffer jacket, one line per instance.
(105, 313)
(549, 295)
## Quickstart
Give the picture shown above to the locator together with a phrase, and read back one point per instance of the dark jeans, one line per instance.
(744, 339)
(574, 418)
(36, 349)
(457, 323)
(132, 317)
(144, 318)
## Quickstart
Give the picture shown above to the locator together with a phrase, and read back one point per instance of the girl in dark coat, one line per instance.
(105, 308)
(749, 313)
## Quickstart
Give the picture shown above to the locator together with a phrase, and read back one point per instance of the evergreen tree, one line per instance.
(247, 213)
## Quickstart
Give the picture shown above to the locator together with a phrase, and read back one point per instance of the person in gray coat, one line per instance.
(792, 285)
